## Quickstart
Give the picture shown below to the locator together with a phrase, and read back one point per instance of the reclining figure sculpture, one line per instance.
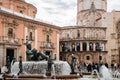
(34, 54)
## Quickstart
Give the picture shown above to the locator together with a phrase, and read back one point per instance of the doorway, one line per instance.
(10, 53)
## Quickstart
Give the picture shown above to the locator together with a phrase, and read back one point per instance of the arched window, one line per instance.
(10, 32)
(67, 47)
(100, 57)
(97, 46)
(103, 47)
(73, 47)
(84, 46)
(47, 38)
(78, 47)
(87, 57)
(67, 35)
(63, 47)
(30, 36)
(78, 33)
(91, 46)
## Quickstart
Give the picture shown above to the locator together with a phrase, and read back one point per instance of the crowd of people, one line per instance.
(89, 67)
(77, 66)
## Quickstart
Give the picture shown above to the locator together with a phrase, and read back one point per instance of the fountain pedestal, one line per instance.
(73, 73)
(48, 73)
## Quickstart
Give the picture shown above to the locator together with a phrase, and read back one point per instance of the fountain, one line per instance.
(95, 74)
(116, 74)
(105, 73)
(40, 67)
(36, 68)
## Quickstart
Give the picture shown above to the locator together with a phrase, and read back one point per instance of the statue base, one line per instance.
(73, 73)
(48, 73)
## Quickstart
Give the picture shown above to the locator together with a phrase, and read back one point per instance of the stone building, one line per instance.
(18, 26)
(96, 36)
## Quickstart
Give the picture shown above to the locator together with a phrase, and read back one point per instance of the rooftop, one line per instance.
(2, 9)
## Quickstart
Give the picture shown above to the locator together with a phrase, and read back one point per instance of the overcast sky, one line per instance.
(62, 12)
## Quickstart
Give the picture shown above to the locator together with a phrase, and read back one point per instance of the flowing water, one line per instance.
(40, 67)
(105, 73)
(59, 68)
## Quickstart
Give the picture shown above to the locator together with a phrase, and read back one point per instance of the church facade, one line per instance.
(19, 26)
(96, 36)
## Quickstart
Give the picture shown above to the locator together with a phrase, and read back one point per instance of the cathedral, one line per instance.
(95, 38)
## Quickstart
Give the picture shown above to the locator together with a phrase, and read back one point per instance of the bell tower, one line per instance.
(89, 12)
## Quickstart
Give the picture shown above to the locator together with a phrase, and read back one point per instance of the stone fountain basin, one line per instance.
(40, 67)
(34, 77)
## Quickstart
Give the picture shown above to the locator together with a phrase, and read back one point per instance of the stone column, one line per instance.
(104, 46)
(36, 39)
(60, 48)
(75, 47)
(4, 55)
(1, 56)
(18, 54)
(57, 47)
(94, 49)
(26, 34)
(81, 46)
(70, 46)
(100, 45)
(87, 46)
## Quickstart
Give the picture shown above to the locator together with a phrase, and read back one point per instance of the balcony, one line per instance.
(82, 38)
(7, 40)
(47, 45)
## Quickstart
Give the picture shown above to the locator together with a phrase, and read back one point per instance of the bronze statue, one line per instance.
(49, 66)
(72, 65)
(34, 54)
(43, 56)
(28, 46)
(28, 50)
(8, 64)
(50, 62)
(13, 61)
(20, 65)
